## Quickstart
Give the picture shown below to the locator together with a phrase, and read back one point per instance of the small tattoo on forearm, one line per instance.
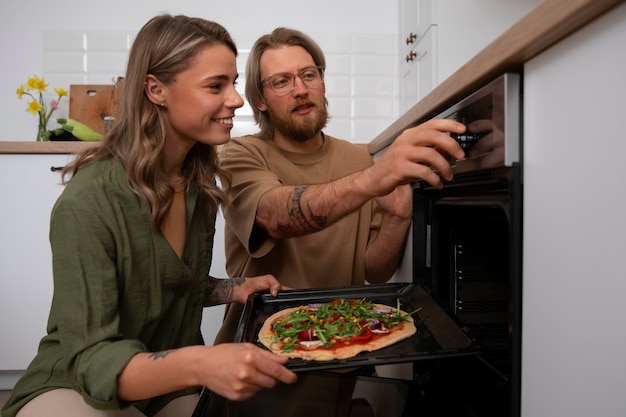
(158, 355)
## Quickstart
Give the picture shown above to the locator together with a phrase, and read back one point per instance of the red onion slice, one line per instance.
(311, 344)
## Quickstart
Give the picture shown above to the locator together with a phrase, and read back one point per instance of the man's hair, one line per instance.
(254, 90)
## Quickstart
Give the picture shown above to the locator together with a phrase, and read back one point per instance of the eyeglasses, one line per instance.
(285, 82)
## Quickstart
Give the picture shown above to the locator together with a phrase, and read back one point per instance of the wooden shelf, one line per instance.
(14, 147)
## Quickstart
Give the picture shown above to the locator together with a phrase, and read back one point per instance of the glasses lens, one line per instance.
(311, 76)
(281, 82)
(284, 83)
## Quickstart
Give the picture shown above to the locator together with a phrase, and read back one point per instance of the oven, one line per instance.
(465, 252)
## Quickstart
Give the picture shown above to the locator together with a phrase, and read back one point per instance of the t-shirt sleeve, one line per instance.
(251, 179)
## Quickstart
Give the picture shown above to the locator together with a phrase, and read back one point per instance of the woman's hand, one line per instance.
(257, 284)
(238, 370)
(228, 290)
(233, 370)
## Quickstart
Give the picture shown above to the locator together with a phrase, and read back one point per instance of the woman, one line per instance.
(132, 236)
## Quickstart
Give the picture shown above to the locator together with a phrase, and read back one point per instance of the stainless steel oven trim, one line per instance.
(506, 91)
(512, 116)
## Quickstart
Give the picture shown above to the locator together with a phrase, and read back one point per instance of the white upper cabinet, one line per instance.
(438, 36)
(418, 61)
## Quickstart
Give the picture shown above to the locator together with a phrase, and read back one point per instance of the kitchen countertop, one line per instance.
(543, 26)
(22, 147)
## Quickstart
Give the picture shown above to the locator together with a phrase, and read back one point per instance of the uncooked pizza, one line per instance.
(336, 330)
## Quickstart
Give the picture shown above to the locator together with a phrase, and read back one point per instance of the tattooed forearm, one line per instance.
(158, 355)
(298, 220)
(220, 291)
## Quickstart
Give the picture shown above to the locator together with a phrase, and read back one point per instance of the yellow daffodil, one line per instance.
(34, 107)
(34, 88)
(20, 91)
(61, 92)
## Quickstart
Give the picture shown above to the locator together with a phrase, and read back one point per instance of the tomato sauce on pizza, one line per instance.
(336, 330)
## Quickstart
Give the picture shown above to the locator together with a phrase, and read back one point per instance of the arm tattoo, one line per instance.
(161, 354)
(296, 214)
(220, 291)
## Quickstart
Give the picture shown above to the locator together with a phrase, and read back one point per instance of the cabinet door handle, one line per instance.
(53, 169)
(410, 56)
(411, 38)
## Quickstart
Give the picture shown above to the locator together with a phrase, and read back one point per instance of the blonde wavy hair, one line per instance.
(164, 47)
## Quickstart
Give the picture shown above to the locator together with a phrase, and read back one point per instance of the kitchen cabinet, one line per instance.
(418, 42)
(29, 190)
(418, 70)
(573, 339)
(437, 37)
(416, 17)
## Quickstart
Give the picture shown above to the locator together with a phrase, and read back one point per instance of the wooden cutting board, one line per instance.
(91, 103)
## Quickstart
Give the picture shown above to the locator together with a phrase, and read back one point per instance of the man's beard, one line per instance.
(300, 129)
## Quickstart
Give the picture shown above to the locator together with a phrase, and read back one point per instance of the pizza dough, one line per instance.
(331, 341)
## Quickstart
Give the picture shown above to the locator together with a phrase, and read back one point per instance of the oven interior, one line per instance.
(467, 255)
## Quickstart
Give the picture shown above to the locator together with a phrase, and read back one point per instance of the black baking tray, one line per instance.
(437, 335)
(318, 394)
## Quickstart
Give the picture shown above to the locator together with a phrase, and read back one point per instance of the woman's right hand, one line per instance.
(237, 371)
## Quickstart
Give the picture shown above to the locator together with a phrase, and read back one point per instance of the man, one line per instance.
(313, 210)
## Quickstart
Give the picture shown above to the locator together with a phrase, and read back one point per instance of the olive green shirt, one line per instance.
(119, 289)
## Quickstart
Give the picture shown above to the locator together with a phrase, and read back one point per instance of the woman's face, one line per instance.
(200, 102)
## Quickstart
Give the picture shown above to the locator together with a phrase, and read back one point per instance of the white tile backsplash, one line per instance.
(373, 86)
(71, 41)
(64, 62)
(366, 44)
(383, 66)
(338, 86)
(340, 107)
(361, 76)
(334, 43)
(106, 62)
(338, 64)
(108, 41)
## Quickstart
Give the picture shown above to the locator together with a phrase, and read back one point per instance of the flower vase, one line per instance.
(42, 132)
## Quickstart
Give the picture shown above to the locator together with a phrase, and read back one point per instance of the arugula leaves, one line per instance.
(333, 321)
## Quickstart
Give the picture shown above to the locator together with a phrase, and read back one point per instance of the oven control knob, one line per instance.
(466, 140)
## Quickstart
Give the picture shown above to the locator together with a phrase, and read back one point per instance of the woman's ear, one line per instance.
(154, 90)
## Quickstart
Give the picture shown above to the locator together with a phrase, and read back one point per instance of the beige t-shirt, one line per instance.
(332, 257)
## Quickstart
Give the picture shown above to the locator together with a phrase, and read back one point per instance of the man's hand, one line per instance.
(399, 202)
(419, 153)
